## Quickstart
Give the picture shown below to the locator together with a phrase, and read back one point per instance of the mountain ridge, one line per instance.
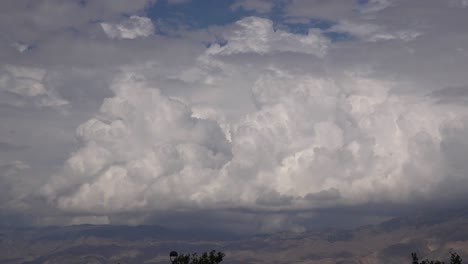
(388, 242)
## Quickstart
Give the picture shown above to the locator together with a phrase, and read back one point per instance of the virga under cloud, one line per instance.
(262, 120)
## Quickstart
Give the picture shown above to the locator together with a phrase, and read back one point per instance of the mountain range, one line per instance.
(392, 241)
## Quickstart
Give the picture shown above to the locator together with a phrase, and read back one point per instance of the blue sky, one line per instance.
(196, 14)
(202, 14)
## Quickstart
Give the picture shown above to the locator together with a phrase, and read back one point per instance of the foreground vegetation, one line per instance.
(206, 258)
(454, 259)
(214, 257)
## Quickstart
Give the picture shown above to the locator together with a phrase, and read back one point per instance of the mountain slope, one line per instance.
(389, 242)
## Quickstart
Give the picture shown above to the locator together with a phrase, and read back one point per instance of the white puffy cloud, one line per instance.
(131, 28)
(316, 134)
(257, 35)
(313, 142)
(144, 150)
(33, 22)
(264, 121)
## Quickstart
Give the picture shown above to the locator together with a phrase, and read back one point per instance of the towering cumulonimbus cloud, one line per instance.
(318, 135)
(143, 150)
(347, 142)
(313, 142)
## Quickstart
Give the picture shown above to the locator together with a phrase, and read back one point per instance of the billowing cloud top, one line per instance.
(264, 123)
(131, 28)
(257, 35)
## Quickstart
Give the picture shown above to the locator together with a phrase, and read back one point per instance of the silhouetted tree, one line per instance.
(454, 259)
(414, 256)
(206, 258)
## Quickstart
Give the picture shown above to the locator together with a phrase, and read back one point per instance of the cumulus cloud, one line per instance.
(35, 21)
(313, 142)
(28, 84)
(257, 35)
(314, 137)
(144, 150)
(23, 81)
(373, 33)
(262, 126)
(131, 28)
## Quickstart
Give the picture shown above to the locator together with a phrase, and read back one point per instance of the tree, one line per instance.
(206, 258)
(454, 259)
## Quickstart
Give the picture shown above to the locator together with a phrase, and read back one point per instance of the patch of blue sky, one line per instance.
(338, 36)
(303, 28)
(281, 21)
(196, 14)
(220, 41)
(199, 14)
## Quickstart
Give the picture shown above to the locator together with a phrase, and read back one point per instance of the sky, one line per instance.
(252, 116)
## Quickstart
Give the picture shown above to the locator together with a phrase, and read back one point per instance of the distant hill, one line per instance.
(392, 241)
